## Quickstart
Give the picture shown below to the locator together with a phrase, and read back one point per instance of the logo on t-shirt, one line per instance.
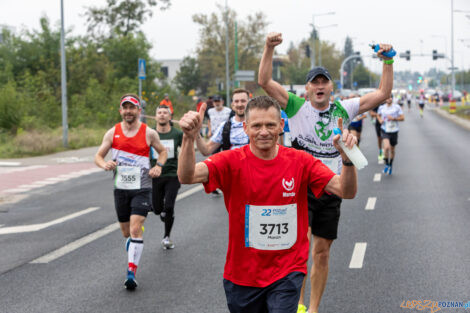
(288, 185)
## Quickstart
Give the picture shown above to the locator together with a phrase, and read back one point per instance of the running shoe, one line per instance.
(381, 157)
(128, 242)
(390, 170)
(301, 308)
(386, 169)
(130, 282)
(215, 193)
(167, 243)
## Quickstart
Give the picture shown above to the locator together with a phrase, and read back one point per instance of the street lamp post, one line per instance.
(452, 40)
(319, 42)
(227, 76)
(63, 78)
(312, 60)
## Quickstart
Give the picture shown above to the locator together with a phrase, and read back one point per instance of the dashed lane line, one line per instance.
(97, 234)
(371, 203)
(359, 252)
(36, 227)
(377, 177)
(76, 244)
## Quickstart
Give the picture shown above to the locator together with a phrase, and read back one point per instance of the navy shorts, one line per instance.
(130, 202)
(282, 296)
(323, 215)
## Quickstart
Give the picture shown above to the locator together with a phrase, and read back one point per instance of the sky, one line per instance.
(416, 25)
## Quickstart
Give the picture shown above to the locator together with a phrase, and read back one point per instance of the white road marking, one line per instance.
(371, 203)
(76, 244)
(45, 182)
(32, 186)
(36, 227)
(10, 163)
(189, 192)
(97, 234)
(359, 252)
(377, 177)
(57, 179)
(20, 169)
(16, 190)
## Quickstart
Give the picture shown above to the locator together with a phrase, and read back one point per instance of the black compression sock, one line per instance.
(391, 161)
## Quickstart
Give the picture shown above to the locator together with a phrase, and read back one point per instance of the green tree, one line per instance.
(189, 75)
(211, 46)
(120, 17)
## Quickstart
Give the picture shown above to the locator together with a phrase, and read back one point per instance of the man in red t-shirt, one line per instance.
(265, 190)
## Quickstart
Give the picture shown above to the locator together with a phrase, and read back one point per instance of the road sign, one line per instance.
(142, 73)
(244, 76)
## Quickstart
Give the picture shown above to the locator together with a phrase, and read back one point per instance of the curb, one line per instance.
(453, 118)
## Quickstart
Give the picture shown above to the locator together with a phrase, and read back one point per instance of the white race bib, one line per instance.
(127, 177)
(332, 163)
(270, 227)
(169, 145)
(391, 126)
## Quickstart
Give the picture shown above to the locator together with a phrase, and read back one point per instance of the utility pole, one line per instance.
(237, 83)
(227, 76)
(65, 127)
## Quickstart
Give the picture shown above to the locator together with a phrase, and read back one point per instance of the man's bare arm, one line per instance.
(373, 99)
(103, 151)
(265, 74)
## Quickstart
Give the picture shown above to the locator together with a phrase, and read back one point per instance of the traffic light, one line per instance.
(406, 55)
(307, 51)
(434, 55)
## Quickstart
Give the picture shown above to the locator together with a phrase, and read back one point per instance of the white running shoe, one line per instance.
(167, 243)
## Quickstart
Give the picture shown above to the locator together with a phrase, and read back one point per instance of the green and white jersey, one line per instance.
(312, 130)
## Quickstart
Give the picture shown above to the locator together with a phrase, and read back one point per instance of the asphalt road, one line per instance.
(416, 239)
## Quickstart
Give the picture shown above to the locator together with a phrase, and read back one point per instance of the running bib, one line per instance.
(270, 227)
(331, 163)
(127, 177)
(391, 126)
(169, 145)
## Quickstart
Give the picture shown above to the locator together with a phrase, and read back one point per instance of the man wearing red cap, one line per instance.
(130, 142)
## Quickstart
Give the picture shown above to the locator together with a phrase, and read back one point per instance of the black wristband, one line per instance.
(161, 165)
(347, 163)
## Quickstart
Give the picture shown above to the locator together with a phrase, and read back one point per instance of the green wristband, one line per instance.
(388, 61)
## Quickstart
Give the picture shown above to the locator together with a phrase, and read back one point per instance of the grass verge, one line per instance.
(41, 142)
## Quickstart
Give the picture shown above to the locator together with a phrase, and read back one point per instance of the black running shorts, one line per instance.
(323, 215)
(132, 202)
(357, 128)
(392, 137)
(282, 296)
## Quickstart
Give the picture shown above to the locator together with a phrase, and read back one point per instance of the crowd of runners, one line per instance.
(276, 161)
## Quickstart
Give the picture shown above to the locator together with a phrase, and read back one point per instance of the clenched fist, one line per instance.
(273, 39)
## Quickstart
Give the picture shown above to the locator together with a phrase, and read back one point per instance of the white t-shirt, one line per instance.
(394, 111)
(312, 130)
(218, 117)
(238, 137)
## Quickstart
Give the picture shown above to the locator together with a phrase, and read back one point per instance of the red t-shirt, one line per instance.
(273, 184)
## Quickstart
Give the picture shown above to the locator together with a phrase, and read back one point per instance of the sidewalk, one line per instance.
(454, 118)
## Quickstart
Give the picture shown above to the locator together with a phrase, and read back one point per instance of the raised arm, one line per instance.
(188, 171)
(265, 74)
(373, 99)
(103, 150)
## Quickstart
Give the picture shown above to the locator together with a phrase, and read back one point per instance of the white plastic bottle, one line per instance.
(354, 154)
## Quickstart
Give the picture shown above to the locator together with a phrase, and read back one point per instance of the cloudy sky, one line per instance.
(416, 25)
